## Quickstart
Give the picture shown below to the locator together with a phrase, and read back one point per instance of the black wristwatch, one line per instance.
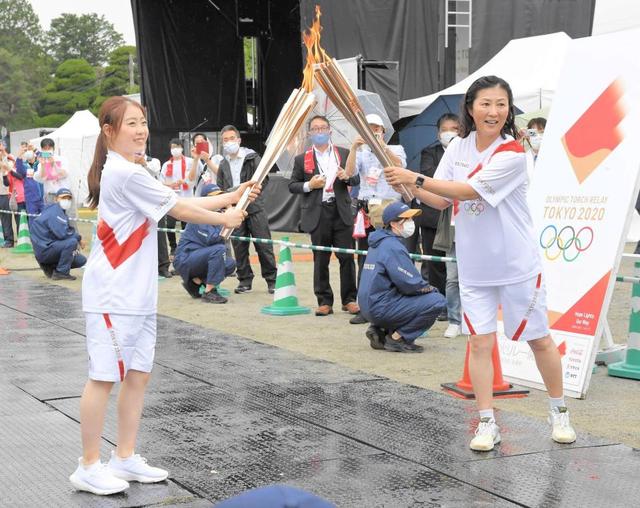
(420, 182)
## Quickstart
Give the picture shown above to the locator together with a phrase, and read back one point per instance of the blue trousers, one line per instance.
(211, 264)
(62, 253)
(410, 316)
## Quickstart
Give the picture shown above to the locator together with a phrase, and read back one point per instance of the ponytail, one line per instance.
(95, 171)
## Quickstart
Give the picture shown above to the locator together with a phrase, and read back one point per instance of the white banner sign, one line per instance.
(582, 197)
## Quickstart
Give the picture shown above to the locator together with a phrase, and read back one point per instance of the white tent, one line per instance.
(530, 65)
(76, 141)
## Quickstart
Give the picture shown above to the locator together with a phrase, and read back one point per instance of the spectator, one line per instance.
(374, 193)
(6, 165)
(202, 258)
(14, 181)
(153, 167)
(204, 168)
(534, 134)
(55, 242)
(174, 175)
(52, 171)
(392, 295)
(27, 165)
(326, 212)
(435, 272)
(238, 166)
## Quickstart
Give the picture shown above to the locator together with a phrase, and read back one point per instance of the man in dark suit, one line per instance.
(434, 272)
(319, 175)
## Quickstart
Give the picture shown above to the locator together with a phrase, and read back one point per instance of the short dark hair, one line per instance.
(175, 141)
(318, 117)
(538, 121)
(193, 138)
(47, 142)
(228, 128)
(467, 124)
(447, 116)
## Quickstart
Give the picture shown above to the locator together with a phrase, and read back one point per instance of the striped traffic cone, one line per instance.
(24, 240)
(285, 298)
(501, 388)
(630, 367)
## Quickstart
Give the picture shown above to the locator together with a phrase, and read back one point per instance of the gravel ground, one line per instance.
(610, 409)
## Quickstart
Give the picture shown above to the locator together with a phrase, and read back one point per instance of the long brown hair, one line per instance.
(111, 113)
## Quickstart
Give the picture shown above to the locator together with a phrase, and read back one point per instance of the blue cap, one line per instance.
(62, 191)
(211, 189)
(275, 496)
(398, 210)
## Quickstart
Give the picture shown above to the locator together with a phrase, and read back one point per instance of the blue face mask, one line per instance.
(319, 139)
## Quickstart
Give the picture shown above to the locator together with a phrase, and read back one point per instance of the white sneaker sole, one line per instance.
(481, 448)
(564, 440)
(85, 487)
(130, 477)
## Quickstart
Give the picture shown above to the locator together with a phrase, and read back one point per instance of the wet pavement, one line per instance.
(225, 414)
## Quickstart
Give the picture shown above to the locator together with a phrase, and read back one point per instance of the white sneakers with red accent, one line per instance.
(135, 469)
(97, 479)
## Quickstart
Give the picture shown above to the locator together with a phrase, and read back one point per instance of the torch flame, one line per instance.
(315, 53)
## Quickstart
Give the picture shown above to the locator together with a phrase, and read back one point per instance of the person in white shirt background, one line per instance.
(120, 291)
(498, 259)
(52, 172)
(175, 175)
(204, 166)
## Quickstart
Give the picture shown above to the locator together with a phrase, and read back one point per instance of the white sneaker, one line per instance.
(452, 331)
(562, 430)
(487, 435)
(135, 469)
(96, 479)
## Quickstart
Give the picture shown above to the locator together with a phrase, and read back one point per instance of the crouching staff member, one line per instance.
(498, 259)
(326, 213)
(392, 294)
(120, 291)
(55, 242)
(202, 257)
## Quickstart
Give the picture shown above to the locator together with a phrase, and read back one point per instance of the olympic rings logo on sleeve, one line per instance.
(566, 242)
(475, 207)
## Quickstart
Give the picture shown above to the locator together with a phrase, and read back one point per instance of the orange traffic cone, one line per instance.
(4, 271)
(501, 388)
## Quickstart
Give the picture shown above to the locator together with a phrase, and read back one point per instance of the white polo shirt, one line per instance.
(177, 175)
(121, 275)
(495, 240)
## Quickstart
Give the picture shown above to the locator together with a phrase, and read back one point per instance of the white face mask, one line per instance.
(535, 142)
(176, 152)
(232, 147)
(65, 204)
(407, 229)
(28, 155)
(445, 137)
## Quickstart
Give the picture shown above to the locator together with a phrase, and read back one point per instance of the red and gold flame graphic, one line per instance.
(596, 133)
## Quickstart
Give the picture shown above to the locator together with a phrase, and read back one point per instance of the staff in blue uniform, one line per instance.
(55, 242)
(202, 256)
(392, 295)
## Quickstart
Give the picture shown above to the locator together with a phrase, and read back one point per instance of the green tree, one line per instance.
(116, 75)
(20, 30)
(17, 98)
(88, 36)
(73, 88)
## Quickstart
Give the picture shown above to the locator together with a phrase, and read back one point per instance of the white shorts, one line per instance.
(523, 305)
(136, 339)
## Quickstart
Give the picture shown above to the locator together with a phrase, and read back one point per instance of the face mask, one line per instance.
(535, 142)
(407, 229)
(319, 139)
(45, 154)
(232, 147)
(65, 204)
(28, 155)
(445, 137)
(176, 152)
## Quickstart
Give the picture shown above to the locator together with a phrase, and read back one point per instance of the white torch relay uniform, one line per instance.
(498, 259)
(120, 279)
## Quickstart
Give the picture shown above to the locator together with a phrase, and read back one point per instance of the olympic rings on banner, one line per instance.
(475, 207)
(565, 242)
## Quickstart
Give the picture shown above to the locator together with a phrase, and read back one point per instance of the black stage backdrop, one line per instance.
(191, 67)
(496, 22)
(402, 30)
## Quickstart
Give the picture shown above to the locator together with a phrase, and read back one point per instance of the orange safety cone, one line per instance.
(4, 271)
(501, 388)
